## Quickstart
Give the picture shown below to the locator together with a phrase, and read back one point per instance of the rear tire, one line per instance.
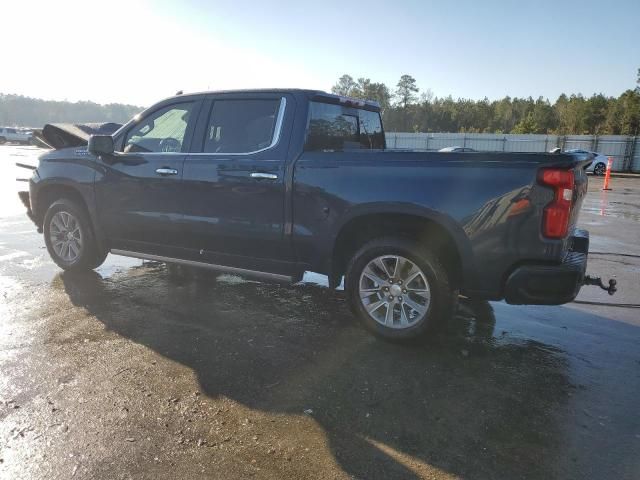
(399, 290)
(69, 237)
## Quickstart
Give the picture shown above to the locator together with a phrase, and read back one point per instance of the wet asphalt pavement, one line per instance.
(137, 371)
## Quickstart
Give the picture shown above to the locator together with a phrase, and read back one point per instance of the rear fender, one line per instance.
(454, 229)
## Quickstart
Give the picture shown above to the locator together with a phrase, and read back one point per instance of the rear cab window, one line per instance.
(334, 127)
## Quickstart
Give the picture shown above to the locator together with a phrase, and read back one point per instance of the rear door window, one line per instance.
(242, 126)
(334, 127)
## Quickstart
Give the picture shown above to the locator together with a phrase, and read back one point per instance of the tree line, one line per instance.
(17, 110)
(406, 109)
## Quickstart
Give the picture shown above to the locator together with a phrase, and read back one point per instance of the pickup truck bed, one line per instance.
(276, 182)
(488, 205)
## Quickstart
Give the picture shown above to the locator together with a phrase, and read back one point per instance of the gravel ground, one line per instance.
(137, 371)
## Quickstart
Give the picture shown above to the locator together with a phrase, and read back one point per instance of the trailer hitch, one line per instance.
(611, 289)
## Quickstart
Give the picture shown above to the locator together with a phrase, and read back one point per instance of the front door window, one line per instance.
(162, 131)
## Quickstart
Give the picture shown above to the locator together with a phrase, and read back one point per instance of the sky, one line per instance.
(139, 52)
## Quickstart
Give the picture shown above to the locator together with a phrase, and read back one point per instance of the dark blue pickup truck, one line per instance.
(273, 183)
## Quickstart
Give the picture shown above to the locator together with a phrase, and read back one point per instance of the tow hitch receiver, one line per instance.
(611, 289)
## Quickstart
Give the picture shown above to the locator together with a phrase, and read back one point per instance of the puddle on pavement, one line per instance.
(498, 380)
(283, 349)
(607, 207)
(611, 212)
(127, 280)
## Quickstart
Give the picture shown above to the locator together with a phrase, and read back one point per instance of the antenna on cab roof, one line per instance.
(179, 92)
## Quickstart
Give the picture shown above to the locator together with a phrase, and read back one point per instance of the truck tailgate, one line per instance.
(580, 188)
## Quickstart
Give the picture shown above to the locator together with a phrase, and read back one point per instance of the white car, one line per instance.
(599, 164)
(14, 135)
(456, 149)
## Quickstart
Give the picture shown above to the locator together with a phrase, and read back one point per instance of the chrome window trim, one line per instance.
(274, 141)
(277, 131)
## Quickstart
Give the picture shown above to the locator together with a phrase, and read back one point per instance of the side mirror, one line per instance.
(101, 145)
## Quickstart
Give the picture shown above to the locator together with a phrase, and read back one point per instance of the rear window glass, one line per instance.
(371, 134)
(333, 127)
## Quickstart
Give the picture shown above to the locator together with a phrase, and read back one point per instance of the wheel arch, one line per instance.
(437, 230)
(49, 193)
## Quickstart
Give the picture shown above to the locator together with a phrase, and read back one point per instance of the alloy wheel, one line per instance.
(394, 291)
(66, 236)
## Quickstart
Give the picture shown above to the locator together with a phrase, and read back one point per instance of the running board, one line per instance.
(273, 277)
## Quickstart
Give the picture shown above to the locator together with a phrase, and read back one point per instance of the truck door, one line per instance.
(233, 182)
(138, 190)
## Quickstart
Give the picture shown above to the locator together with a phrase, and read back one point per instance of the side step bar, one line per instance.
(273, 277)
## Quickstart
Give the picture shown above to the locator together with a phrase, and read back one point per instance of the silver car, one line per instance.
(599, 164)
(456, 149)
(15, 135)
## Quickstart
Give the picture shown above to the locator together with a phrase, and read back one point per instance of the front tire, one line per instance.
(599, 169)
(399, 290)
(69, 237)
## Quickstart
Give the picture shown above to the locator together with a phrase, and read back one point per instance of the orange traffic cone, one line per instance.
(607, 175)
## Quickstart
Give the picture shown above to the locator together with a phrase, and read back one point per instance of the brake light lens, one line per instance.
(555, 220)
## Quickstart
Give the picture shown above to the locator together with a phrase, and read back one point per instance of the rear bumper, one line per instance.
(541, 284)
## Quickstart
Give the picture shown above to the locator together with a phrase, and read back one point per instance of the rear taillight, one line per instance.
(555, 220)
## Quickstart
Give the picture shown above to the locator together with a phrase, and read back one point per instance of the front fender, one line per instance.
(57, 177)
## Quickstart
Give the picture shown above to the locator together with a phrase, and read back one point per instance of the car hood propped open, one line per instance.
(64, 135)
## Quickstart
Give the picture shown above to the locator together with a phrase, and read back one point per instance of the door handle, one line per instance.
(166, 171)
(270, 176)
